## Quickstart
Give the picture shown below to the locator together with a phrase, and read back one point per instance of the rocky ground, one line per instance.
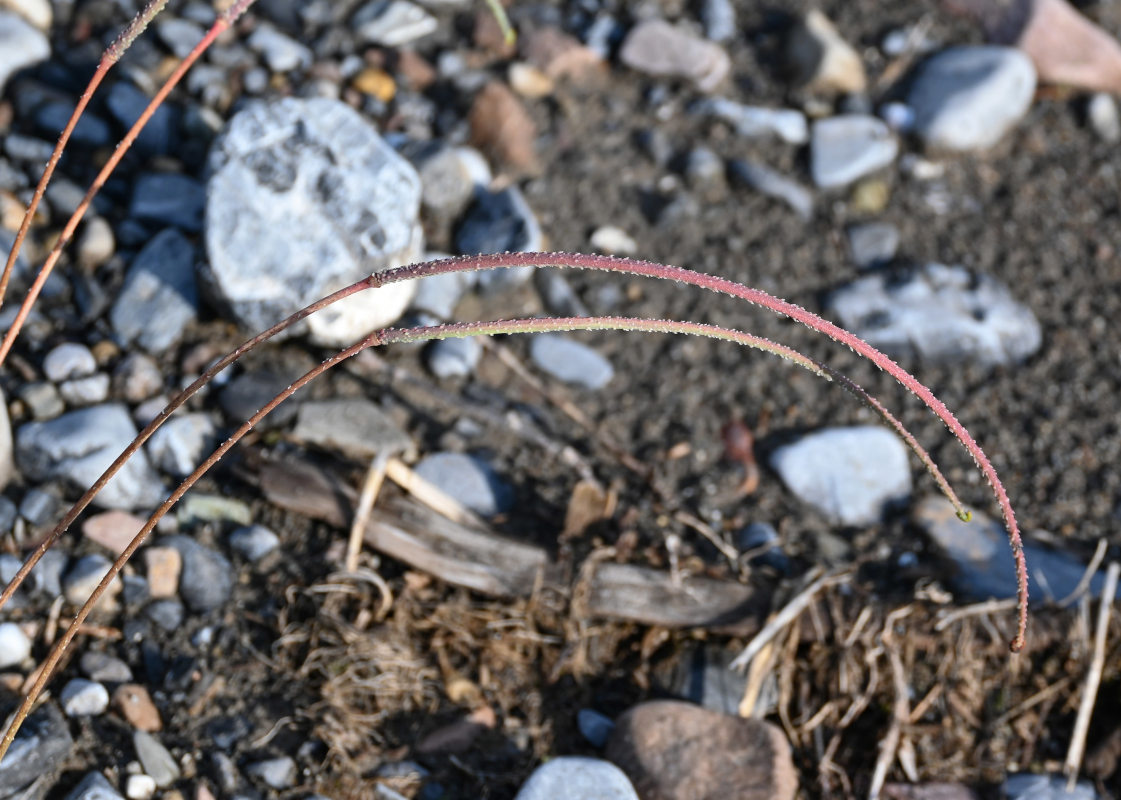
(621, 513)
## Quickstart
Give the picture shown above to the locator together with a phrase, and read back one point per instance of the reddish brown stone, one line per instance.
(561, 56)
(671, 750)
(501, 127)
(136, 706)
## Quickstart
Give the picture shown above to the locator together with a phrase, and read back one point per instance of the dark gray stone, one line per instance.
(40, 747)
(91, 131)
(167, 198)
(104, 668)
(354, 426)
(126, 103)
(158, 298)
(500, 222)
(168, 614)
(469, 480)
(207, 577)
(254, 542)
(594, 727)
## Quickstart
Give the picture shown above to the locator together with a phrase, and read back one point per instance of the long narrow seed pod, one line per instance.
(377, 338)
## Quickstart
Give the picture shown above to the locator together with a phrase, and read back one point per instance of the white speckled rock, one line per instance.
(848, 474)
(305, 198)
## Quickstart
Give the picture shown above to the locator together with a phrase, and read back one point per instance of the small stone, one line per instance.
(85, 391)
(1023, 786)
(376, 83)
(774, 184)
(704, 677)
(96, 245)
(37, 12)
(449, 177)
(438, 295)
(500, 222)
(761, 540)
(281, 53)
(254, 542)
(719, 20)
(558, 295)
(113, 530)
(179, 35)
(354, 426)
(167, 614)
(873, 244)
(136, 706)
(613, 241)
(671, 750)
(577, 777)
(79, 446)
(21, 45)
(528, 81)
(40, 748)
(164, 565)
(848, 474)
(821, 60)
(78, 584)
(503, 129)
(137, 378)
(70, 360)
(941, 314)
(182, 443)
(392, 23)
(755, 122)
(166, 198)
(276, 773)
(338, 203)
(968, 98)
(1102, 113)
(82, 698)
(140, 787)
(656, 47)
(155, 759)
(870, 196)
(207, 578)
(848, 147)
(94, 787)
(15, 647)
(900, 117)
(127, 104)
(454, 357)
(469, 480)
(200, 507)
(247, 393)
(46, 576)
(39, 507)
(158, 298)
(256, 81)
(104, 668)
(570, 361)
(594, 727)
(704, 170)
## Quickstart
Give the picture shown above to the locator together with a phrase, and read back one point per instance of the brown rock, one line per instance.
(164, 565)
(658, 48)
(112, 530)
(821, 60)
(501, 127)
(560, 56)
(136, 706)
(672, 750)
(414, 71)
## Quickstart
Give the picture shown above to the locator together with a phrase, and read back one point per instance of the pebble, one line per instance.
(502, 127)
(613, 241)
(39, 507)
(500, 222)
(167, 198)
(352, 425)
(113, 530)
(155, 759)
(127, 104)
(248, 392)
(774, 184)
(468, 479)
(848, 474)
(900, 117)
(163, 568)
(179, 35)
(557, 293)
(16, 145)
(40, 747)
(21, 45)
(82, 698)
(79, 446)
(671, 749)
(448, 178)
(182, 443)
(821, 60)
(104, 668)
(140, 787)
(456, 357)
(704, 678)
(968, 98)
(873, 244)
(82, 578)
(656, 47)
(438, 295)
(759, 535)
(529, 81)
(719, 20)
(254, 542)
(392, 23)
(577, 777)
(1023, 786)
(137, 378)
(199, 507)
(94, 786)
(276, 773)
(69, 360)
(281, 53)
(158, 299)
(91, 131)
(1066, 48)
(85, 391)
(845, 148)
(755, 122)
(338, 204)
(136, 706)
(940, 314)
(168, 614)
(46, 576)
(594, 726)
(1102, 113)
(570, 361)
(207, 578)
(981, 557)
(704, 170)
(15, 646)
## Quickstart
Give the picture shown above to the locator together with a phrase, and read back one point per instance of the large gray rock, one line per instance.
(577, 777)
(848, 474)
(158, 298)
(941, 314)
(79, 446)
(967, 98)
(305, 198)
(21, 45)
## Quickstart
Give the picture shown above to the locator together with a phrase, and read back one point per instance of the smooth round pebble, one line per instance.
(82, 698)
(140, 787)
(254, 542)
(14, 645)
(69, 360)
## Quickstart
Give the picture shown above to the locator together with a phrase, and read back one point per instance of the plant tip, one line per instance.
(965, 515)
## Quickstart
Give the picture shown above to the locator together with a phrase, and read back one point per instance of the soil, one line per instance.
(351, 688)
